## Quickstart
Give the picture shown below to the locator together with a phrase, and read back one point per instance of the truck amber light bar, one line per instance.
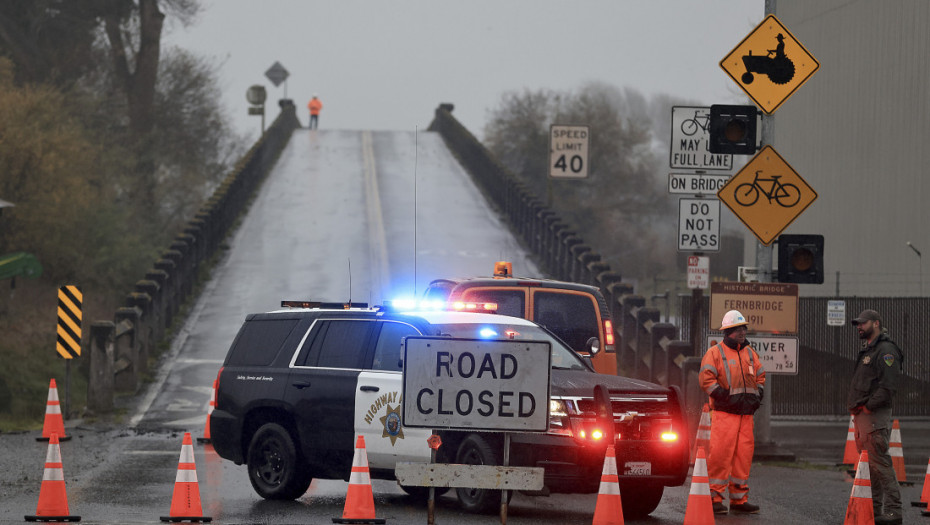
(462, 306)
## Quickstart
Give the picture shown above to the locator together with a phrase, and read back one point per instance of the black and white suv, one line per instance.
(298, 385)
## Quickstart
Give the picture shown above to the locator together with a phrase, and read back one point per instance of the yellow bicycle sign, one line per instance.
(767, 195)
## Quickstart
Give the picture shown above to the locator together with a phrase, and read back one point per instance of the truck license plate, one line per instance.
(637, 468)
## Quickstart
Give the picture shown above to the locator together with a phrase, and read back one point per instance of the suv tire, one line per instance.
(275, 469)
(475, 450)
(639, 502)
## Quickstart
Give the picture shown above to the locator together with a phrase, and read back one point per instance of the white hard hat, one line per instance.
(733, 319)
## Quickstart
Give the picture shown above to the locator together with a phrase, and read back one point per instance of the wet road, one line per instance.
(339, 199)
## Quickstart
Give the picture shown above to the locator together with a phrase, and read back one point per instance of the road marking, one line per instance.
(377, 242)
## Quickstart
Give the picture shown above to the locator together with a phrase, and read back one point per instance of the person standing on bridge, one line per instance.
(314, 106)
(732, 375)
(874, 383)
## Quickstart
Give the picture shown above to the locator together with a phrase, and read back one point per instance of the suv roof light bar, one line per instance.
(320, 304)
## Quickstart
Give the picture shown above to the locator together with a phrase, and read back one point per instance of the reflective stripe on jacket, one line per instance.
(739, 372)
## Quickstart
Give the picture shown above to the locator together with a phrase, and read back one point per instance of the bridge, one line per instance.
(367, 216)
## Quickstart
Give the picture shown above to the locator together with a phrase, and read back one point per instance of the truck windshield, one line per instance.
(562, 356)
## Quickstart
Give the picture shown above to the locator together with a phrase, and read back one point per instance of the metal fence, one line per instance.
(827, 354)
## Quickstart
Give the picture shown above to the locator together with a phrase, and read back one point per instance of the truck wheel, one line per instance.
(275, 470)
(639, 502)
(475, 450)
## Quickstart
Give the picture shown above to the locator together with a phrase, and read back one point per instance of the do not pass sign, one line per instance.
(698, 225)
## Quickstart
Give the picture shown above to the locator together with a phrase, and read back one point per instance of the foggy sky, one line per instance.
(386, 65)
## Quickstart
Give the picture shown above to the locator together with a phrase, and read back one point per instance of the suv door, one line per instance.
(378, 402)
(321, 388)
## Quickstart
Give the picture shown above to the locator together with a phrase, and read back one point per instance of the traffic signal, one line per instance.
(733, 129)
(800, 259)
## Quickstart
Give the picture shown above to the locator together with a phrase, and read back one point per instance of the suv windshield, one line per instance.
(562, 356)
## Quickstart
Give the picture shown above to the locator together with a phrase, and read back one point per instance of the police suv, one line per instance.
(300, 383)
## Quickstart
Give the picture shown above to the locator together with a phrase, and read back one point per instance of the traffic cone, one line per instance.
(859, 511)
(703, 434)
(185, 503)
(700, 509)
(850, 455)
(925, 494)
(608, 510)
(53, 499)
(897, 454)
(360, 503)
(54, 424)
(206, 428)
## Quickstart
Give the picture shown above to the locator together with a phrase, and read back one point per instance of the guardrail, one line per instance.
(646, 349)
(119, 350)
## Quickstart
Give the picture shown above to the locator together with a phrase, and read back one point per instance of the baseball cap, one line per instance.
(866, 315)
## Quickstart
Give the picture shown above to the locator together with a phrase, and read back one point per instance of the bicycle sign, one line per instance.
(689, 148)
(767, 195)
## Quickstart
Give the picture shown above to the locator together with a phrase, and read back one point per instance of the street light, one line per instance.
(920, 265)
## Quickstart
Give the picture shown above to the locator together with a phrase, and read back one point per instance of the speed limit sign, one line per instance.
(568, 151)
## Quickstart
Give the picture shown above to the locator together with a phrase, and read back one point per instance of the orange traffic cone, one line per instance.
(703, 434)
(185, 503)
(849, 454)
(897, 454)
(609, 510)
(54, 424)
(206, 428)
(360, 503)
(925, 493)
(53, 499)
(700, 509)
(859, 511)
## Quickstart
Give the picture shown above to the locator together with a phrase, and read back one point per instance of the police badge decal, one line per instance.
(391, 422)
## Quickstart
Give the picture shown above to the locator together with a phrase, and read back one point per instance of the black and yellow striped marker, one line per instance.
(70, 299)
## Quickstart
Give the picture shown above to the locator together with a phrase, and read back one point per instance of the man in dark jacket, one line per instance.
(874, 383)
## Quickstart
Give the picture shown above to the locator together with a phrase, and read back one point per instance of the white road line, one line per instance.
(377, 242)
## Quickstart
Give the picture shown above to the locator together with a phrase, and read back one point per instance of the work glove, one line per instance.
(720, 394)
(761, 393)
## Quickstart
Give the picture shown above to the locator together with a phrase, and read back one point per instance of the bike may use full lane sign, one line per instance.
(690, 140)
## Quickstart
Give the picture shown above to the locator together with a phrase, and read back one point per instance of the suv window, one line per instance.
(509, 302)
(336, 343)
(259, 341)
(388, 349)
(570, 316)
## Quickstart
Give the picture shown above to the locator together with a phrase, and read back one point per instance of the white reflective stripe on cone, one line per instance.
(52, 409)
(53, 474)
(610, 488)
(187, 454)
(186, 476)
(359, 478)
(862, 491)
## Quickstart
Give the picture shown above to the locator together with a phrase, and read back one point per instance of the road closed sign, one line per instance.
(698, 225)
(470, 384)
(568, 151)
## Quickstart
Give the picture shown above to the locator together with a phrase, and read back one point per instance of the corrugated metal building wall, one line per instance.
(859, 133)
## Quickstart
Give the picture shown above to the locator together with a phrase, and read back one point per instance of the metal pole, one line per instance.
(763, 426)
(505, 491)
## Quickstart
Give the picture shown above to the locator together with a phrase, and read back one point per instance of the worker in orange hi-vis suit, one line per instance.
(314, 106)
(732, 374)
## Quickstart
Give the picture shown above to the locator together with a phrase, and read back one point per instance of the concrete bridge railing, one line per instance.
(120, 348)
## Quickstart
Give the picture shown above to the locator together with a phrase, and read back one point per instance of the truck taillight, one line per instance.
(669, 437)
(608, 332)
(216, 388)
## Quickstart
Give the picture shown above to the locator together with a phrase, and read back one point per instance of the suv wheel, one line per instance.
(639, 501)
(475, 450)
(275, 470)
